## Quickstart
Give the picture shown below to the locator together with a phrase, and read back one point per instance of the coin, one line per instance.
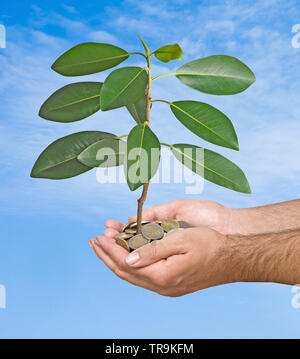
(130, 231)
(168, 224)
(137, 241)
(134, 224)
(173, 231)
(123, 235)
(152, 231)
(127, 225)
(121, 242)
(184, 224)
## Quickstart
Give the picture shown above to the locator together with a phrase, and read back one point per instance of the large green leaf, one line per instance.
(59, 159)
(216, 168)
(168, 53)
(72, 102)
(138, 110)
(104, 153)
(123, 87)
(88, 58)
(143, 155)
(206, 122)
(216, 75)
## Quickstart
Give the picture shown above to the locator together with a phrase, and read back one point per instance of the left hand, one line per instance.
(179, 264)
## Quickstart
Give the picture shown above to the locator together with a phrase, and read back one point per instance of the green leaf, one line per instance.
(138, 110)
(59, 159)
(216, 168)
(143, 155)
(123, 87)
(72, 102)
(206, 122)
(104, 153)
(89, 58)
(216, 75)
(168, 53)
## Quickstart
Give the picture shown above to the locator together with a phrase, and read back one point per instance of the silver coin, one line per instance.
(184, 224)
(152, 231)
(134, 224)
(174, 230)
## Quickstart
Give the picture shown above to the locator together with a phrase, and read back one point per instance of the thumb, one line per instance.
(155, 251)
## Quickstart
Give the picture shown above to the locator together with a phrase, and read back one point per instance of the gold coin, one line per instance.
(169, 224)
(130, 231)
(137, 241)
(152, 231)
(123, 235)
(123, 243)
(127, 225)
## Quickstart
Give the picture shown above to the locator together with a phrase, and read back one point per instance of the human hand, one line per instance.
(196, 212)
(181, 263)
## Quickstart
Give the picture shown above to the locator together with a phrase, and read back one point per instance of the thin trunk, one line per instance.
(143, 197)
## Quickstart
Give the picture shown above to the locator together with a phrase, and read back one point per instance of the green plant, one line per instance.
(131, 87)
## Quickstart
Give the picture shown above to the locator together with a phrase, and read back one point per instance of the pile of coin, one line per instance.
(151, 231)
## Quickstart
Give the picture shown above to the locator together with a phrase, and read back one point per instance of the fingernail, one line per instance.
(132, 258)
(89, 244)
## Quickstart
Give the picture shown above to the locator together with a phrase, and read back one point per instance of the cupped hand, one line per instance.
(196, 212)
(181, 263)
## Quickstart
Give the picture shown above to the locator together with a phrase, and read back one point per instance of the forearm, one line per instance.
(272, 218)
(270, 257)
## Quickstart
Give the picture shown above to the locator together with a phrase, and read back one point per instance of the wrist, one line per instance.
(245, 221)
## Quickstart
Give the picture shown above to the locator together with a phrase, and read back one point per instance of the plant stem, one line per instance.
(123, 136)
(164, 101)
(166, 144)
(141, 201)
(143, 197)
(138, 53)
(169, 74)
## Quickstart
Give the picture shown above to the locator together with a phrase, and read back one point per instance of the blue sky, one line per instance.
(56, 287)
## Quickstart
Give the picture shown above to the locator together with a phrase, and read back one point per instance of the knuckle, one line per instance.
(154, 248)
(120, 263)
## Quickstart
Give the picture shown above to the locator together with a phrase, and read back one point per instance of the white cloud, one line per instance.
(102, 36)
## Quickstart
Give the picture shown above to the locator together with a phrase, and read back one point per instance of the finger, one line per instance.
(101, 255)
(132, 278)
(157, 250)
(110, 232)
(160, 211)
(118, 255)
(111, 223)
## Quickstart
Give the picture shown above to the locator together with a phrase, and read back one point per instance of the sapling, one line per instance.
(130, 87)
